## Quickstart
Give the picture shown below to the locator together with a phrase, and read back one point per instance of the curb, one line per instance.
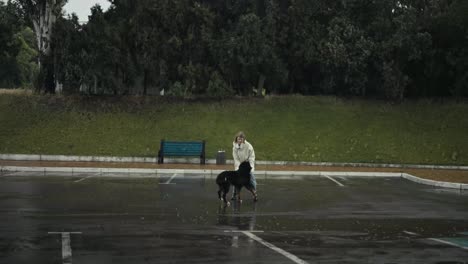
(451, 185)
(27, 157)
(213, 173)
(145, 173)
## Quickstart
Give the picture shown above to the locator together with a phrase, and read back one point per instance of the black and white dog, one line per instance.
(239, 178)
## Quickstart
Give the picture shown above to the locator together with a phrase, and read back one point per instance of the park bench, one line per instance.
(181, 149)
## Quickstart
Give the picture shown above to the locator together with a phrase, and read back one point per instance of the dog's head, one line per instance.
(245, 167)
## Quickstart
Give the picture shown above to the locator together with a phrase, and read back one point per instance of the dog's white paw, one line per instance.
(228, 204)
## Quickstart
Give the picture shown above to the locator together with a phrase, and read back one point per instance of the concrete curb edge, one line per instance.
(39, 157)
(212, 174)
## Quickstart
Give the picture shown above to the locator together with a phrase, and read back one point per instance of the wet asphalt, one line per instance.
(177, 219)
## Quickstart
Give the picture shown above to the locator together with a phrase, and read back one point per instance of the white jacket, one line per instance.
(244, 152)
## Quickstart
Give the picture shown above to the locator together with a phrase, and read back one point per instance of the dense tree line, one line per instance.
(18, 55)
(389, 49)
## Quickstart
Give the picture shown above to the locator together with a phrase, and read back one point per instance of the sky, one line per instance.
(82, 7)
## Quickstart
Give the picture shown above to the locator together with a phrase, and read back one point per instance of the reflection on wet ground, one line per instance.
(176, 219)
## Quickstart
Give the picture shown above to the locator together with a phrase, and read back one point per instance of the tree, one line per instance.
(403, 50)
(248, 53)
(446, 68)
(67, 50)
(98, 53)
(392, 49)
(43, 15)
(17, 59)
(26, 58)
(344, 56)
(304, 29)
(146, 44)
(9, 26)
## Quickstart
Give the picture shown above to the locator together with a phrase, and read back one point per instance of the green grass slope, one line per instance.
(292, 128)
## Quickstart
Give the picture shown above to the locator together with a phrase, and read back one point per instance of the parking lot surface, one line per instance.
(173, 218)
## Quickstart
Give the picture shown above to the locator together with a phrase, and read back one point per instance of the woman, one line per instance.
(243, 151)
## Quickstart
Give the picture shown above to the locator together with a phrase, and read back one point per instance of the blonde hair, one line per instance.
(240, 134)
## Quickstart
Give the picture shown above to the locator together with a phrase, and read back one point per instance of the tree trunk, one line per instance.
(261, 82)
(95, 88)
(49, 82)
(43, 21)
(145, 82)
(43, 15)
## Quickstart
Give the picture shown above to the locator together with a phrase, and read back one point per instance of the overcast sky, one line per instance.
(82, 7)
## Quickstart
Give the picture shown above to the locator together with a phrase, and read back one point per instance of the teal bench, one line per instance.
(181, 149)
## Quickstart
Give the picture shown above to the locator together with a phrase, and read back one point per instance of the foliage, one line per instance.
(42, 16)
(217, 86)
(344, 54)
(18, 67)
(384, 49)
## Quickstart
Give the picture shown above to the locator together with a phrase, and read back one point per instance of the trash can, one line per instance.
(221, 157)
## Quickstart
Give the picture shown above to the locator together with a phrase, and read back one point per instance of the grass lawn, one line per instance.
(293, 128)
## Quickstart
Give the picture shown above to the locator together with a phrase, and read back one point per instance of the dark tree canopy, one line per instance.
(388, 49)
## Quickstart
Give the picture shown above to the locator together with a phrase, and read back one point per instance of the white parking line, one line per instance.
(337, 182)
(272, 247)
(169, 181)
(66, 248)
(240, 231)
(80, 180)
(447, 242)
(437, 240)
(410, 233)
